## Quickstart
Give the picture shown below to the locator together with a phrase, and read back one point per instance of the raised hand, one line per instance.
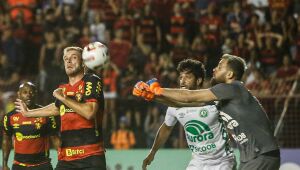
(141, 89)
(154, 86)
(21, 107)
(58, 93)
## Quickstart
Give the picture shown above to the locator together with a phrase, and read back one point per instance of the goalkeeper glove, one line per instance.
(154, 86)
(141, 89)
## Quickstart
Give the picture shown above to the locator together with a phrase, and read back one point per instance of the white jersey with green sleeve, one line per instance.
(204, 130)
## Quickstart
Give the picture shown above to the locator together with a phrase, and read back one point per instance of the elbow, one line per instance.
(90, 116)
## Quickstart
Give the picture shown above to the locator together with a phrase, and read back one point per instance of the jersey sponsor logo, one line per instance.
(26, 123)
(16, 118)
(203, 113)
(20, 136)
(70, 93)
(241, 138)
(5, 122)
(98, 89)
(62, 110)
(231, 123)
(181, 115)
(72, 152)
(88, 88)
(197, 131)
(53, 122)
(16, 126)
(203, 149)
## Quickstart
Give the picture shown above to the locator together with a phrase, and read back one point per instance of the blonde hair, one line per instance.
(78, 49)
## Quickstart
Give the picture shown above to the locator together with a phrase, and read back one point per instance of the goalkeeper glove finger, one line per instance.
(154, 86)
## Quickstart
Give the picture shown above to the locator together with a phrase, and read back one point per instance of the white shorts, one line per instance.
(224, 164)
(110, 95)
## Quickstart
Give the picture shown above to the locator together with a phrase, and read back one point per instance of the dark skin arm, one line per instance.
(161, 137)
(6, 147)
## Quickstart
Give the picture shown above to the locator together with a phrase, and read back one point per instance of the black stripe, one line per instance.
(79, 137)
(32, 158)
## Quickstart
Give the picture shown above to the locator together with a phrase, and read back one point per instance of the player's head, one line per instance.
(229, 68)
(191, 74)
(73, 60)
(27, 92)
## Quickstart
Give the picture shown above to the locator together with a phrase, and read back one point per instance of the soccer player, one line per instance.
(244, 116)
(205, 133)
(31, 135)
(80, 105)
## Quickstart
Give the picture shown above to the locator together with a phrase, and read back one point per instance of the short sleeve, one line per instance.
(57, 103)
(52, 125)
(7, 126)
(93, 88)
(170, 118)
(225, 91)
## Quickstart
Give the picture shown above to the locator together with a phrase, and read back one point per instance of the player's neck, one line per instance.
(74, 79)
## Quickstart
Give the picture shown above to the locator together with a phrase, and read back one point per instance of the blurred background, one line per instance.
(146, 39)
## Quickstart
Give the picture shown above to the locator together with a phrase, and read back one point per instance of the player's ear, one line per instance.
(230, 74)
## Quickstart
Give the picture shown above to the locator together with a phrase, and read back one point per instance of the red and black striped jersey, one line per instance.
(30, 136)
(80, 137)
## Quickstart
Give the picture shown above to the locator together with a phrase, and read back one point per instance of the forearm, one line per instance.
(6, 147)
(86, 110)
(185, 96)
(161, 137)
(50, 110)
(172, 103)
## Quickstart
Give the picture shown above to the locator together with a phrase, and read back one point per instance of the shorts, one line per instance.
(45, 166)
(110, 95)
(224, 164)
(263, 162)
(96, 162)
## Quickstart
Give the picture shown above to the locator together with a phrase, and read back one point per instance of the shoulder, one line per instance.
(211, 108)
(173, 110)
(11, 113)
(62, 85)
(91, 77)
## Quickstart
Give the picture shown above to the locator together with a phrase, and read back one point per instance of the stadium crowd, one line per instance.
(146, 39)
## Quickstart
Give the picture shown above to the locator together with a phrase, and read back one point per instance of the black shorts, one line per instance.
(45, 166)
(267, 161)
(97, 162)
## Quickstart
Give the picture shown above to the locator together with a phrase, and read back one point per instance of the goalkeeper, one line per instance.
(244, 116)
(205, 133)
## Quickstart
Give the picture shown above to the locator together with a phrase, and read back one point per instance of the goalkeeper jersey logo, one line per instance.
(197, 131)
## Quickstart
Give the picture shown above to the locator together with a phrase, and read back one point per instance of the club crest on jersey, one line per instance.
(203, 113)
(38, 125)
(78, 96)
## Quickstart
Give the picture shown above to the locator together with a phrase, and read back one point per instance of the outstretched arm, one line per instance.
(49, 110)
(185, 96)
(6, 147)
(161, 137)
(173, 103)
